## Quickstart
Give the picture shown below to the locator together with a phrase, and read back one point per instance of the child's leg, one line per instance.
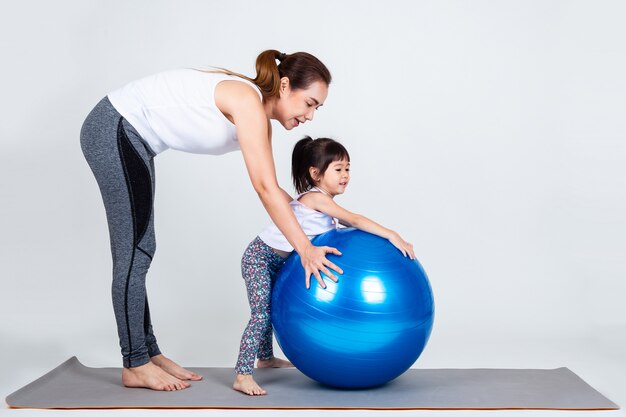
(256, 268)
(266, 351)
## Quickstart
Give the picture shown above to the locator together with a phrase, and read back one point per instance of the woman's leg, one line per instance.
(123, 169)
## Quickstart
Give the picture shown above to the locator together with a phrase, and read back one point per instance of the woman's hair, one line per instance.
(318, 153)
(301, 68)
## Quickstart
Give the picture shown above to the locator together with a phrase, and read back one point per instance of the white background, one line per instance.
(491, 134)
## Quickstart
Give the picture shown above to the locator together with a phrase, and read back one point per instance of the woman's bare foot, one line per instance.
(247, 385)
(174, 369)
(273, 363)
(153, 377)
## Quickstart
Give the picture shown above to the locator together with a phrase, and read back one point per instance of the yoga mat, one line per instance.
(74, 386)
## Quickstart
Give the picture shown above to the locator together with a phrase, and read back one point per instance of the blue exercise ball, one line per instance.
(363, 331)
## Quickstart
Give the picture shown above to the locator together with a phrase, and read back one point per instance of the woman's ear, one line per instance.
(285, 86)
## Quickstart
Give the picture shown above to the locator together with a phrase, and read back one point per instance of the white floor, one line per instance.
(600, 360)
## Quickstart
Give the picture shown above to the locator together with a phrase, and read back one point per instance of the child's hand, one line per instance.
(405, 247)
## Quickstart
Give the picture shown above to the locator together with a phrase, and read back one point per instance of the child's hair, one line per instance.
(318, 153)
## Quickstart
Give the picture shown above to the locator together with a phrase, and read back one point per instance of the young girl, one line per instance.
(321, 170)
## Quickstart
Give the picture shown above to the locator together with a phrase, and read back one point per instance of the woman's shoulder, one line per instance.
(236, 96)
(238, 86)
(237, 89)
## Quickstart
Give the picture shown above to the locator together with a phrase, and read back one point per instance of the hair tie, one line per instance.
(281, 56)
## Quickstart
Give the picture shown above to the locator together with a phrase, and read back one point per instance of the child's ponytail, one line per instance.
(300, 165)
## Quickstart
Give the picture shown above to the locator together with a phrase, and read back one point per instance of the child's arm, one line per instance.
(325, 204)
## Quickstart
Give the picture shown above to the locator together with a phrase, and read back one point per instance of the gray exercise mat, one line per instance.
(74, 386)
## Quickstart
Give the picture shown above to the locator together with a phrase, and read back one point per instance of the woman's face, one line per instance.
(294, 107)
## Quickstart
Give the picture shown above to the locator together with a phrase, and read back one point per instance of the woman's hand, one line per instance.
(405, 247)
(314, 260)
(241, 102)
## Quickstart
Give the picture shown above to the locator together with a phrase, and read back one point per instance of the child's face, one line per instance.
(336, 177)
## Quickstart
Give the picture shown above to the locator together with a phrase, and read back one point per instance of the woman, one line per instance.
(210, 112)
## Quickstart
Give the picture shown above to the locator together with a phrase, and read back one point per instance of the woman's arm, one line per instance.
(286, 195)
(325, 204)
(241, 103)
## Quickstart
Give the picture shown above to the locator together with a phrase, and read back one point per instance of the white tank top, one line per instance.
(312, 222)
(176, 109)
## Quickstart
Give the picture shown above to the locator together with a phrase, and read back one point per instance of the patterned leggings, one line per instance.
(259, 266)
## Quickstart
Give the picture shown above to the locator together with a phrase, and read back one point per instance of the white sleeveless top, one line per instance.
(176, 109)
(312, 222)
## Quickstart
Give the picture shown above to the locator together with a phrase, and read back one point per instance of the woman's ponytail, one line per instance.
(267, 74)
(301, 68)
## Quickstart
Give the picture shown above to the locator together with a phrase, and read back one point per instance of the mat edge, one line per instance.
(71, 362)
(319, 408)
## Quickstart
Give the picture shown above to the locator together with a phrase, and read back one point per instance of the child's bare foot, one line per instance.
(153, 377)
(174, 369)
(247, 385)
(273, 363)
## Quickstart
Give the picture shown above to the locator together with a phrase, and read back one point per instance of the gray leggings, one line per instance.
(124, 169)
